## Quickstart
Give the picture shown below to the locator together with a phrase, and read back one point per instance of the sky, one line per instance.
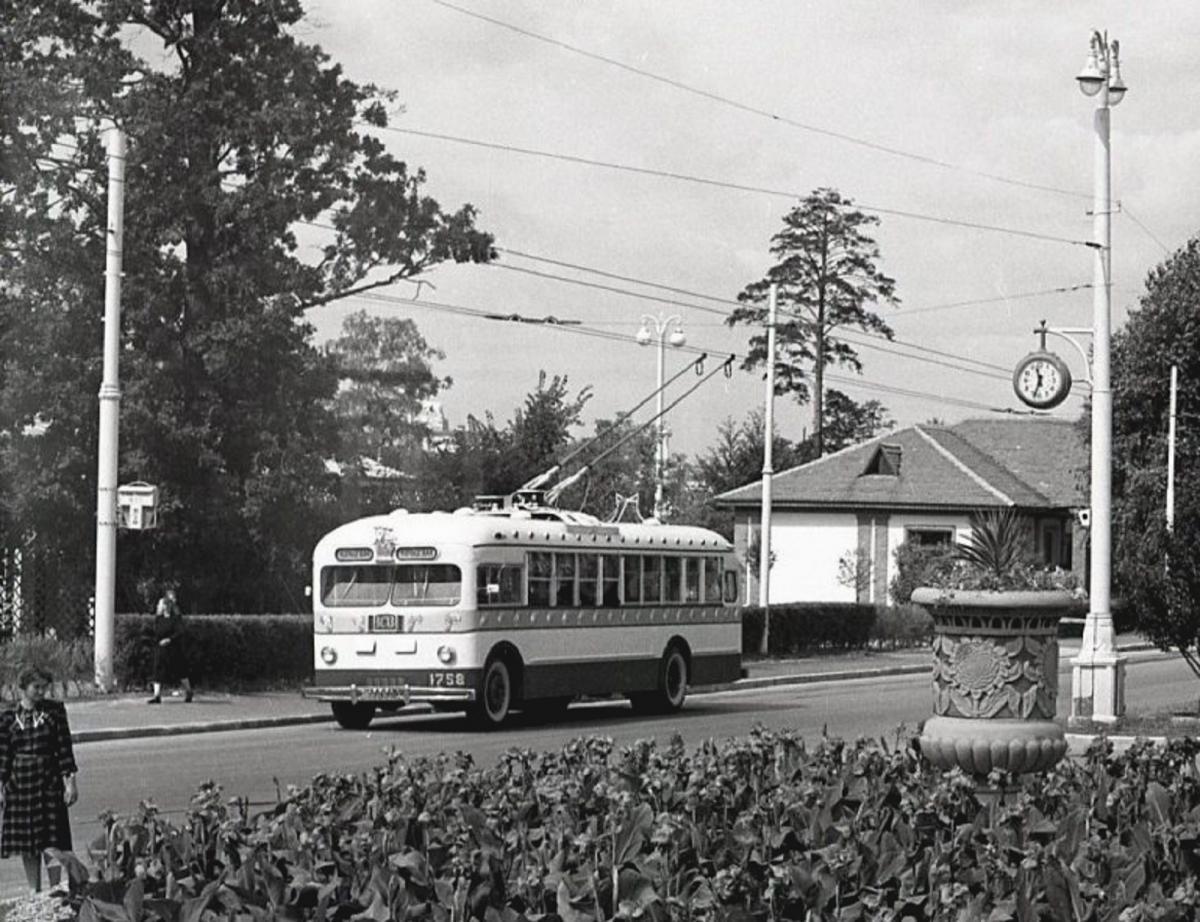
(904, 107)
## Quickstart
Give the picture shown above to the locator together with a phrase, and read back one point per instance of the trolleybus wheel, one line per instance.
(353, 716)
(495, 696)
(672, 685)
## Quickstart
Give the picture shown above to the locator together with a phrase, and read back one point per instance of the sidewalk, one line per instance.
(128, 716)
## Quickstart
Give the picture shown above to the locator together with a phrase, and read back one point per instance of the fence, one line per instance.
(43, 592)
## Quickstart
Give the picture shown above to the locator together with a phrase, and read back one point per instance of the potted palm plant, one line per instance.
(995, 652)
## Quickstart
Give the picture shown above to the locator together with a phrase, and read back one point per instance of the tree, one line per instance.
(247, 134)
(1158, 573)
(828, 280)
(847, 422)
(485, 459)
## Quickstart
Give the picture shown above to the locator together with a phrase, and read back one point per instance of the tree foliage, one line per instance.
(828, 281)
(242, 135)
(1158, 573)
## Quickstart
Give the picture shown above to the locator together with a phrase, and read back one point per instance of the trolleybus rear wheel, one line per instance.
(353, 716)
(672, 685)
(495, 695)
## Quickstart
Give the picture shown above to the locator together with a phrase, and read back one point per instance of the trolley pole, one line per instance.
(110, 404)
(764, 560)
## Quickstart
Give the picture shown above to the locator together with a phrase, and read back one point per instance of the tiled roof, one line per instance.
(1029, 463)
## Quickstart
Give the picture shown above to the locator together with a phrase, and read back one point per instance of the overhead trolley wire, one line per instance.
(864, 383)
(754, 110)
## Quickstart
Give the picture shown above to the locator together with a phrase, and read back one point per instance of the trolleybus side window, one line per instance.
(652, 579)
(499, 583)
(564, 581)
(731, 586)
(672, 582)
(610, 580)
(633, 579)
(691, 579)
(541, 578)
(712, 579)
(427, 584)
(589, 577)
(355, 585)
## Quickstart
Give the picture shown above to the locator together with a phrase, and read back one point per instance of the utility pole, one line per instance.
(645, 336)
(110, 405)
(1098, 674)
(764, 559)
(1171, 450)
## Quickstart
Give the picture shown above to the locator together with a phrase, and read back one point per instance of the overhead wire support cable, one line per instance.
(754, 110)
(780, 193)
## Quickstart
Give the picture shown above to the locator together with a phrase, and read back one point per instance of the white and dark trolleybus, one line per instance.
(514, 605)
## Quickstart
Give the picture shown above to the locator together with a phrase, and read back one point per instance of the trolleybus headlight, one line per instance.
(328, 656)
(446, 655)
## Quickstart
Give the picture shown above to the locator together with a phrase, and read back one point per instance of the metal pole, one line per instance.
(764, 558)
(110, 403)
(1171, 450)
(1098, 679)
(660, 448)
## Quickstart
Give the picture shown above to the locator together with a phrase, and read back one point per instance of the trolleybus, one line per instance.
(514, 605)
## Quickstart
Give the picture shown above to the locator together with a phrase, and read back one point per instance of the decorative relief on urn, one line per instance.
(981, 677)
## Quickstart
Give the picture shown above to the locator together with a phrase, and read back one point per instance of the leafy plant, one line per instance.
(761, 827)
(997, 555)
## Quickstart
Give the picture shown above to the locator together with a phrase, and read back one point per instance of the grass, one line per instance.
(1165, 722)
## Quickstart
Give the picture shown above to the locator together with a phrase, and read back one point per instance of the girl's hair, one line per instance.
(31, 674)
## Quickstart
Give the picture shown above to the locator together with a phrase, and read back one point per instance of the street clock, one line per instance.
(1041, 379)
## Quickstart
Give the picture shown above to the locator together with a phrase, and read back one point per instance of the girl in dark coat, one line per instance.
(170, 658)
(37, 776)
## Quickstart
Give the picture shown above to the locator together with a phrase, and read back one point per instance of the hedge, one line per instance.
(241, 651)
(809, 626)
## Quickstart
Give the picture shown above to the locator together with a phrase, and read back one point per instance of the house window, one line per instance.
(929, 536)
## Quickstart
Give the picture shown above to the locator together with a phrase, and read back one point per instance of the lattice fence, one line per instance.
(43, 592)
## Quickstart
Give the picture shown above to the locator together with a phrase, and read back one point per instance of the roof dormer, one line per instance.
(885, 461)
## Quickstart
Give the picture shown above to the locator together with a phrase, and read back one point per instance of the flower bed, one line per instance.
(758, 828)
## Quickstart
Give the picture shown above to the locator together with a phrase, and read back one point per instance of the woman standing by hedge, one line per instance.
(170, 656)
(37, 775)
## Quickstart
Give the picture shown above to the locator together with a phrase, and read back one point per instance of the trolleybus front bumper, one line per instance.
(398, 695)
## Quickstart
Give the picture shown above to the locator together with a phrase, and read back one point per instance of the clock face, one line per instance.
(1042, 380)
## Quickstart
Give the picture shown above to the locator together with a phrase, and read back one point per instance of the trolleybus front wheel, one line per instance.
(672, 685)
(495, 699)
(353, 716)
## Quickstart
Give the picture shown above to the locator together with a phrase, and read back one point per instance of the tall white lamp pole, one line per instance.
(1098, 676)
(645, 336)
(110, 403)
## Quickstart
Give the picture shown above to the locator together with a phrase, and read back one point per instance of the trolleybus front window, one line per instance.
(355, 586)
(427, 584)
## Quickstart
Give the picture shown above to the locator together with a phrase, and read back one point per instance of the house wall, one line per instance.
(901, 522)
(809, 548)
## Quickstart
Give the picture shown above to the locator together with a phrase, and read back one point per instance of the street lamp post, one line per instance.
(1098, 675)
(645, 336)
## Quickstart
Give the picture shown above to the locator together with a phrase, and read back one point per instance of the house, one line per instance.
(836, 522)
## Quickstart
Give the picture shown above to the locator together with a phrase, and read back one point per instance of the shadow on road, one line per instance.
(586, 715)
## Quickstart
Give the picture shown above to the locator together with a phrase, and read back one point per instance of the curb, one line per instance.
(810, 678)
(216, 726)
(260, 723)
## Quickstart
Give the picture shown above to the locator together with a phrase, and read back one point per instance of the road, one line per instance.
(118, 774)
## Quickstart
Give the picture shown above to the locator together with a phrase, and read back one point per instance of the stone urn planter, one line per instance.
(995, 679)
